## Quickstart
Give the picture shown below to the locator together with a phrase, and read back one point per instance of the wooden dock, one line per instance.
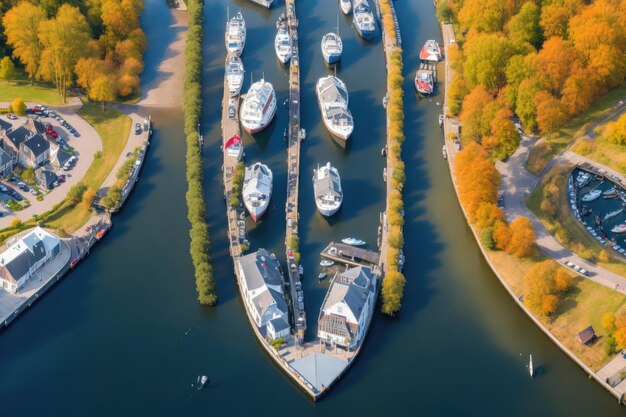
(294, 137)
(350, 255)
(235, 215)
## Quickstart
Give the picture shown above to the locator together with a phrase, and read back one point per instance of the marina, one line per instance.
(350, 255)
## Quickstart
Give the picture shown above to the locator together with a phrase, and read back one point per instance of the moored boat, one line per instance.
(592, 195)
(259, 107)
(424, 80)
(445, 152)
(620, 228)
(236, 34)
(612, 214)
(332, 96)
(363, 19)
(332, 47)
(234, 147)
(326, 262)
(610, 192)
(282, 42)
(353, 241)
(234, 74)
(257, 189)
(346, 6)
(327, 189)
(431, 51)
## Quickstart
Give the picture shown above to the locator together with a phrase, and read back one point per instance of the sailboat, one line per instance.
(202, 380)
(531, 370)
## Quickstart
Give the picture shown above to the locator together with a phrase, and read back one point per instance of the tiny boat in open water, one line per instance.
(326, 262)
(593, 194)
(202, 381)
(353, 241)
(531, 370)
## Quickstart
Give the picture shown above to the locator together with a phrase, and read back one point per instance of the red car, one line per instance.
(61, 180)
(51, 132)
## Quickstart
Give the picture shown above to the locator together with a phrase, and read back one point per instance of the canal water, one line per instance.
(123, 334)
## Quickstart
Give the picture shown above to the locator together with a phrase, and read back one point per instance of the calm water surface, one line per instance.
(110, 339)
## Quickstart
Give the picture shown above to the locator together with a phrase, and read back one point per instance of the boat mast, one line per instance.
(337, 25)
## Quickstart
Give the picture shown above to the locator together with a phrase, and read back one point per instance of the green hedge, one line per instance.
(394, 280)
(200, 240)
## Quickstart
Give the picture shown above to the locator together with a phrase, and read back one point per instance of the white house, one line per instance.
(24, 257)
(278, 328)
(347, 307)
(262, 284)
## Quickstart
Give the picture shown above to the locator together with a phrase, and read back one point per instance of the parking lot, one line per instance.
(75, 136)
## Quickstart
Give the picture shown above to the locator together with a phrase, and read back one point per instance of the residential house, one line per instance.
(347, 308)
(25, 257)
(45, 179)
(262, 284)
(278, 328)
(586, 336)
(34, 151)
(58, 157)
(4, 126)
(35, 125)
(6, 163)
(12, 141)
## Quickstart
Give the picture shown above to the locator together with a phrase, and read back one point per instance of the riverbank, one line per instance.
(449, 39)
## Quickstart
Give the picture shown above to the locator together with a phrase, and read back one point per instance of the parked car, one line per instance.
(11, 116)
(457, 144)
(3, 188)
(34, 192)
(61, 179)
(138, 129)
(51, 132)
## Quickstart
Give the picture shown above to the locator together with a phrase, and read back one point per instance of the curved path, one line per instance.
(517, 184)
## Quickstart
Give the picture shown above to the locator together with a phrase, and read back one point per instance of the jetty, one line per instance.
(350, 255)
(292, 215)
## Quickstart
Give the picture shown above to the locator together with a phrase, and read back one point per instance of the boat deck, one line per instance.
(350, 255)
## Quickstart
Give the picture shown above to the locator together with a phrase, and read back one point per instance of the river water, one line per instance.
(123, 334)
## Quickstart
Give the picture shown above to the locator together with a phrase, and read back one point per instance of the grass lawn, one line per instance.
(603, 152)
(44, 94)
(583, 305)
(577, 127)
(113, 128)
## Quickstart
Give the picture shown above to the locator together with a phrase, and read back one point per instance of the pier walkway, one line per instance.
(292, 214)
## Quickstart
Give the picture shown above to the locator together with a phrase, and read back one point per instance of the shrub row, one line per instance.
(393, 283)
(200, 243)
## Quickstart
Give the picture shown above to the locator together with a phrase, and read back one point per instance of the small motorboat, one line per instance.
(445, 153)
(612, 214)
(531, 370)
(326, 262)
(592, 195)
(346, 6)
(441, 120)
(353, 241)
(322, 276)
(620, 228)
(202, 381)
(610, 192)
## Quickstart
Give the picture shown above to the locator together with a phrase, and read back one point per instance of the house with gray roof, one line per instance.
(12, 141)
(6, 163)
(347, 308)
(34, 151)
(261, 279)
(25, 257)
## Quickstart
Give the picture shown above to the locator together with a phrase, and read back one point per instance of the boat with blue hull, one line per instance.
(363, 19)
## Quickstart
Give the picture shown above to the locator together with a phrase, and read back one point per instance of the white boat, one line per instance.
(259, 107)
(282, 42)
(620, 228)
(332, 47)
(327, 189)
(583, 178)
(322, 276)
(236, 35)
(234, 147)
(202, 381)
(441, 120)
(445, 152)
(326, 262)
(234, 74)
(257, 189)
(531, 370)
(353, 241)
(431, 51)
(612, 214)
(332, 96)
(610, 192)
(363, 19)
(346, 6)
(424, 80)
(593, 194)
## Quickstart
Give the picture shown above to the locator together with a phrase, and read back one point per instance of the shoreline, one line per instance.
(446, 29)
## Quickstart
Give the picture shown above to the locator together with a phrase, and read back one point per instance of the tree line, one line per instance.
(200, 244)
(393, 283)
(544, 61)
(96, 44)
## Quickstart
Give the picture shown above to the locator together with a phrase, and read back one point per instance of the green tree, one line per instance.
(103, 89)
(7, 69)
(112, 199)
(524, 27)
(75, 194)
(486, 59)
(28, 175)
